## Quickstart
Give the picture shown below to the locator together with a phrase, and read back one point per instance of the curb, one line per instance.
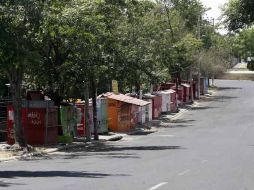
(142, 132)
(8, 159)
(115, 138)
(80, 144)
(52, 150)
(179, 114)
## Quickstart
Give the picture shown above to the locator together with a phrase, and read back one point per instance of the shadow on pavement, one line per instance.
(101, 147)
(182, 121)
(15, 174)
(169, 123)
(228, 88)
(202, 108)
(217, 98)
(103, 150)
(8, 184)
(79, 154)
(180, 126)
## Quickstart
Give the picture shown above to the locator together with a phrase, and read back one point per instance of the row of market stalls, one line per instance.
(44, 123)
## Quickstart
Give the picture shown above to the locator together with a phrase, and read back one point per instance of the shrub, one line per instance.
(250, 65)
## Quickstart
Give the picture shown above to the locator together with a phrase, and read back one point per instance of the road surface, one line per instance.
(210, 147)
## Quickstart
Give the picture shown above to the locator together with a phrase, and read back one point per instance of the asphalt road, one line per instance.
(209, 148)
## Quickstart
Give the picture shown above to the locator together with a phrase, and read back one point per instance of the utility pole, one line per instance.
(94, 98)
(86, 115)
(191, 82)
(213, 33)
(199, 61)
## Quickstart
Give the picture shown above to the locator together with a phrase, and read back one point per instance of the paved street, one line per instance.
(210, 147)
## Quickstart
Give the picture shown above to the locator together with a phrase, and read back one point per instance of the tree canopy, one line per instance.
(239, 14)
(61, 47)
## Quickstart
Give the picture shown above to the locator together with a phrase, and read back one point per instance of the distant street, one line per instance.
(239, 72)
(210, 147)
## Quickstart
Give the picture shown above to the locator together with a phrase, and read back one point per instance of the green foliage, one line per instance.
(3, 87)
(239, 14)
(216, 59)
(250, 65)
(70, 45)
(244, 43)
(189, 10)
(19, 25)
(134, 42)
(19, 21)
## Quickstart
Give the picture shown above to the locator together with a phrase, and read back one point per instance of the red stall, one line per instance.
(81, 126)
(39, 121)
(179, 94)
(156, 104)
(173, 100)
(186, 92)
(191, 97)
(194, 89)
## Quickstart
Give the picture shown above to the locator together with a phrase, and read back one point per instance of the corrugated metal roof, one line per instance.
(171, 91)
(162, 92)
(185, 85)
(149, 95)
(126, 99)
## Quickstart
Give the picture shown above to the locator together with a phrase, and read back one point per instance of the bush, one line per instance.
(250, 65)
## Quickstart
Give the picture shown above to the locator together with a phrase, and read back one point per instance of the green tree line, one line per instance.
(69, 47)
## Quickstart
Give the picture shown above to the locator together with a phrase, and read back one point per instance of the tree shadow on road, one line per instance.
(169, 123)
(102, 150)
(183, 121)
(105, 150)
(8, 184)
(105, 147)
(217, 98)
(202, 108)
(83, 153)
(32, 174)
(228, 88)
(180, 126)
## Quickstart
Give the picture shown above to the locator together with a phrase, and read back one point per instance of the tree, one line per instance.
(244, 43)
(239, 14)
(216, 59)
(19, 24)
(4, 91)
(72, 47)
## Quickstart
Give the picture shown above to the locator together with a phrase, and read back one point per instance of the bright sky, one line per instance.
(215, 7)
(215, 11)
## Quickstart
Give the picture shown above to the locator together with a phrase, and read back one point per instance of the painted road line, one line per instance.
(158, 186)
(166, 135)
(184, 172)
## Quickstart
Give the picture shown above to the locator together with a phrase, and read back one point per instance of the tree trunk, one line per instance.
(137, 88)
(87, 126)
(94, 98)
(151, 88)
(191, 82)
(16, 76)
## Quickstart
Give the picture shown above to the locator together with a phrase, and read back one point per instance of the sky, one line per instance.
(215, 11)
(215, 7)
